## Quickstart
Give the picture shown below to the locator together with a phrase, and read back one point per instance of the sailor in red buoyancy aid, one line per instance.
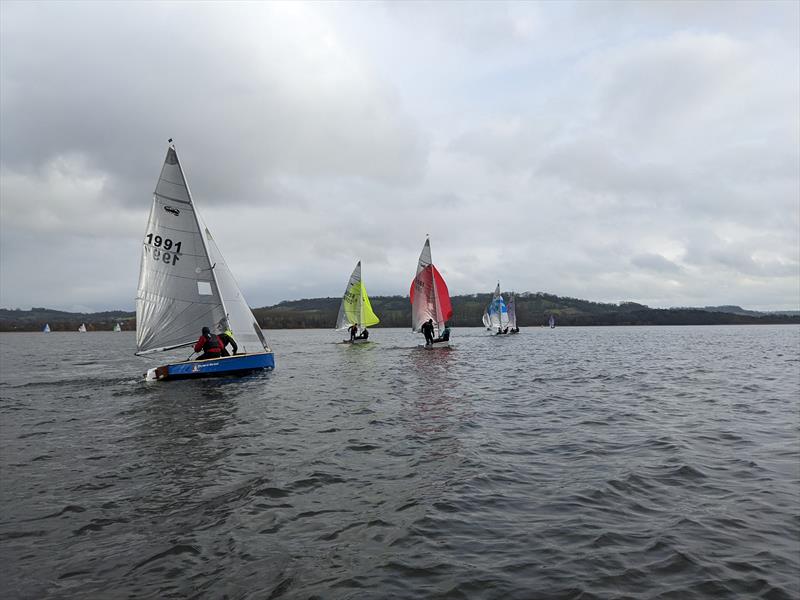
(210, 344)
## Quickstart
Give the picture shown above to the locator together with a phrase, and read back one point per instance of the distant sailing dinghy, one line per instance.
(356, 308)
(82, 328)
(512, 315)
(552, 322)
(185, 284)
(117, 327)
(429, 297)
(46, 328)
(497, 313)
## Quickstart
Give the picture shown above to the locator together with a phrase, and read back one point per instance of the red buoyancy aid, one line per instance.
(210, 344)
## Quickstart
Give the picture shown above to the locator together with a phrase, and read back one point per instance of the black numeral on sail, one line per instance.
(174, 248)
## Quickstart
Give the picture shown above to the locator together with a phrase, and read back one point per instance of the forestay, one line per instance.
(430, 298)
(184, 282)
(356, 307)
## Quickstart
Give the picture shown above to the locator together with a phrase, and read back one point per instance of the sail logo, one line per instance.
(172, 210)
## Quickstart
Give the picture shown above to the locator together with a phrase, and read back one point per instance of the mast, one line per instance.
(360, 298)
(435, 295)
(202, 231)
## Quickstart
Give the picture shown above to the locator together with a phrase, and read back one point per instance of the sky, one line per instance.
(636, 151)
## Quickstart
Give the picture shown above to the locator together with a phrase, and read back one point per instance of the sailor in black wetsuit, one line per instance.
(427, 330)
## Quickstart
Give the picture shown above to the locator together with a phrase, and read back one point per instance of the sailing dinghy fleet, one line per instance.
(186, 285)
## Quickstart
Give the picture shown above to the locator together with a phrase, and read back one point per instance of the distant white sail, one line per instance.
(117, 327)
(46, 328)
(184, 282)
(497, 311)
(82, 328)
(512, 312)
(552, 322)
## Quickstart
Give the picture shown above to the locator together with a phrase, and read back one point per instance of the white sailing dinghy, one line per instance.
(430, 298)
(117, 327)
(356, 308)
(512, 315)
(46, 328)
(552, 322)
(82, 328)
(185, 285)
(497, 313)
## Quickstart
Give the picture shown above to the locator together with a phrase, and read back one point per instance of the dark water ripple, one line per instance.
(573, 463)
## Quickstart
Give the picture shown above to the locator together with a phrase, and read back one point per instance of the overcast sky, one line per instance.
(609, 151)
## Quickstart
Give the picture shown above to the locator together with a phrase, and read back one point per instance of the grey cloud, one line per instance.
(240, 106)
(655, 262)
(537, 144)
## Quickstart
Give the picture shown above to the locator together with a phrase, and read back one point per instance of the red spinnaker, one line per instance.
(442, 296)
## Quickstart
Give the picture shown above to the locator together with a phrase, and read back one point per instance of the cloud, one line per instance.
(646, 152)
(655, 262)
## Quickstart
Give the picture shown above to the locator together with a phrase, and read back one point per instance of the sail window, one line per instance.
(204, 288)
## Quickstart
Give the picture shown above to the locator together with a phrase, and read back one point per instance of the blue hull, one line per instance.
(240, 364)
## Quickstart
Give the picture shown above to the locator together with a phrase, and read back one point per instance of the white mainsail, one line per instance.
(46, 328)
(117, 327)
(512, 312)
(184, 282)
(82, 328)
(486, 322)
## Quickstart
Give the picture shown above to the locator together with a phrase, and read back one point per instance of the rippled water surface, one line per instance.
(568, 463)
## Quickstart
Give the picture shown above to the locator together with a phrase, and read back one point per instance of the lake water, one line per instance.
(629, 462)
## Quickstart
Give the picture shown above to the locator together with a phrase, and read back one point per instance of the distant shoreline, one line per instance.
(532, 309)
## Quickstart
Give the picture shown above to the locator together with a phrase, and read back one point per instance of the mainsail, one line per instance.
(117, 327)
(356, 307)
(46, 328)
(82, 328)
(497, 311)
(184, 282)
(512, 312)
(429, 296)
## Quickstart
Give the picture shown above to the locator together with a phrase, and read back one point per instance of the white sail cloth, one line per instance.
(184, 282)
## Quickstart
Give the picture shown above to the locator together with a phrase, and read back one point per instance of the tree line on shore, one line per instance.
(533, 310)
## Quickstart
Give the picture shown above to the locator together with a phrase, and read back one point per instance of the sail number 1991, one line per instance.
(170, 249)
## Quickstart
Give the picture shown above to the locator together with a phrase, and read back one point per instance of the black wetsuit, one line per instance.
(427, 330)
